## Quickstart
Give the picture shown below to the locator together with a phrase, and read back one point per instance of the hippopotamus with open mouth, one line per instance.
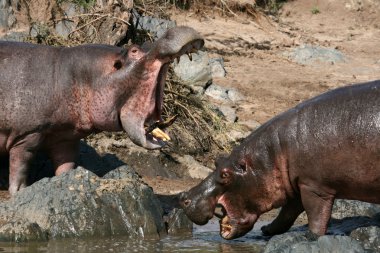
(325, 148)
(51, 97)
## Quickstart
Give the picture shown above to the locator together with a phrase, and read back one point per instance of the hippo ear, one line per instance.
(219, 161)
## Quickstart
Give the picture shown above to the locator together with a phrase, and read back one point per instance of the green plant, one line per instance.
(315, 10)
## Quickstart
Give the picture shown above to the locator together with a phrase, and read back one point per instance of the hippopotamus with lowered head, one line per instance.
(51, 97)
(325, 148)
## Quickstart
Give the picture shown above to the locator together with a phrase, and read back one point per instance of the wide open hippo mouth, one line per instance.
(232, 223)
(148, 132)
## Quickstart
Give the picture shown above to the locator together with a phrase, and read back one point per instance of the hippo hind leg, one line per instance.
(20, 155)
(63, 155)
(318, 206)
(285, 219)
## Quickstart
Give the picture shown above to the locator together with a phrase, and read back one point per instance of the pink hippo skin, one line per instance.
(51, 97)
(325, 148)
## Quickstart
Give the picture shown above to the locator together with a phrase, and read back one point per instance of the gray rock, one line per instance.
(64, 28)
(284, 242)
(225, 95)
(251, 124)
(20, 230)
(217, 92)
(296, 242)
(307, 54)
(368, 236)
(197, 72)
(79, 204)
(156, 27)
(333, 244)
(15, 36)
(194, 168)
(228, 112)
(234, 95)
(349, 208)
(177, 222)
(7, 18)
(217, 67)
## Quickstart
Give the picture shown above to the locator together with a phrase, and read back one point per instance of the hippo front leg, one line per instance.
(285, 219)
(318, 206)
(20, 156)
(63, 155)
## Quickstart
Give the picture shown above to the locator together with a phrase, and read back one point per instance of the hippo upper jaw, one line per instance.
(138, 119)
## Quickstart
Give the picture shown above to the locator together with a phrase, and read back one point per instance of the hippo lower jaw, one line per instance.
(232, 227)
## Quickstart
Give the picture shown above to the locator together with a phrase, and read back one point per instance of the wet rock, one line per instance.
(293, 242)
(217, 67)
(368, 236)
(79, 203)
(177, 222)
(307, 54)
(22, 230)
(349, 208)
(284, 242)
(195, 72)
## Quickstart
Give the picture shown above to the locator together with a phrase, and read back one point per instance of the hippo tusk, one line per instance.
(155, 128)
(190, 56)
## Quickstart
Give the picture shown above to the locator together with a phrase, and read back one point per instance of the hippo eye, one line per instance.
(117, 65)
(224, 175)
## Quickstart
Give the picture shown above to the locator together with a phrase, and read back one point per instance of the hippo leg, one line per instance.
(20, 156)
(318, 206)
(285, 219)
(63, 156)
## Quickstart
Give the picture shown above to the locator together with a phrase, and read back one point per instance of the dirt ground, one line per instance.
(254, 48)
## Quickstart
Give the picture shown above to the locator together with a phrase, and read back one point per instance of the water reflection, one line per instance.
(203, 239)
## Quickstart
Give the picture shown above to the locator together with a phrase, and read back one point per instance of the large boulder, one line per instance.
(81, 204)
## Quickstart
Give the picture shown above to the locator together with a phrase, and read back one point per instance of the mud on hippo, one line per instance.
(51, 97)
(325, 148)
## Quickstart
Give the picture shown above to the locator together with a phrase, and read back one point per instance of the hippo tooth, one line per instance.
(190, 57)
(158, 133)
(178, 59)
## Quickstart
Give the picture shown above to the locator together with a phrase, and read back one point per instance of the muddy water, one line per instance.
(203, 239)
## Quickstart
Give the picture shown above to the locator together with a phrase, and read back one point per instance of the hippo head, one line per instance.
(239, 186)
(132, 98)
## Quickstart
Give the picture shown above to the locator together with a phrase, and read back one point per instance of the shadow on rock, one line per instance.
(42, 167)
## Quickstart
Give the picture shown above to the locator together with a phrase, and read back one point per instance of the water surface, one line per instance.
(203, 239)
